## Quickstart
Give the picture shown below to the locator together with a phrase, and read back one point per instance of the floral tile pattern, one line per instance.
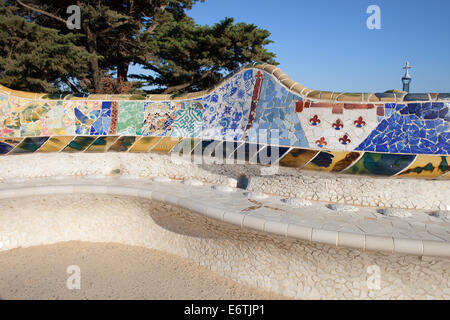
(226, 110)
(336, 126)
(79, 116)
(159, 118)
(257, 111)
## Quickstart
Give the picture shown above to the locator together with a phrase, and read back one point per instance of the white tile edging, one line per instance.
(334, 238)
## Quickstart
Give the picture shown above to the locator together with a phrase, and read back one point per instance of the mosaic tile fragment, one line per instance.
(166, 144)
(159, 118)
(55, 143)
(188, 119)
(226, 110)
(123, 144)
(186, 146)
(29, 145)
(298, 158)
(276, 120)
(144, 144)
(102, 144)
(131, 118)
(427, 167)
(381, 164)
(114, 117)
(332, 161)
(79, 144)
(8, 144)
(270, 155)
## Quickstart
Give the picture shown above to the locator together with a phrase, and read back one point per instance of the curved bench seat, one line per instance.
(340, 226)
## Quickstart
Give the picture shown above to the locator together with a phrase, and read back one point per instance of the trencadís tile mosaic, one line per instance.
(389, 134)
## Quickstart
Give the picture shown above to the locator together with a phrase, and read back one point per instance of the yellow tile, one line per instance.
(5, 90)
(427, 166)
(351, 97)
(144, 144)
(25, 95)
(297, 158)
(102, 144)
(166, 144)
(332, 161)
(123, 144)
(55, 144)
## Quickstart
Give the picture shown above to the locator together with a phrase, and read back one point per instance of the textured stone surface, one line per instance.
(290, 267)
(111, 271)
(289, 183)
(334, 224)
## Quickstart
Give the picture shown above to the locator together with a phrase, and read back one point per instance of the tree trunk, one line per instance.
(71, 86)
(122, 71)
(92, 47)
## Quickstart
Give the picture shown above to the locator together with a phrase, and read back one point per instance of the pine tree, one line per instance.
(155, 33)
(34, 58)
(189, 57)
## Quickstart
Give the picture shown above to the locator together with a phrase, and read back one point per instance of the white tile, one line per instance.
(299, 232)
(324, 236)
(253, 222)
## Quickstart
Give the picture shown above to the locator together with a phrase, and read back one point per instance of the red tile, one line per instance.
(354, 106)
(380, 111)
(321, 105)
(299, 106)
(338, 108)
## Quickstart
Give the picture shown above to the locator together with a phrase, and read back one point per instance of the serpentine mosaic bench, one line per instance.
(258, 111)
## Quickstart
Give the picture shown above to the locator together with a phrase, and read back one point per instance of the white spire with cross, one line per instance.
(407, 67)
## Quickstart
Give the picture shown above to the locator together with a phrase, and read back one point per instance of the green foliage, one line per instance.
(39, 51)
(34, 58)
(189, 57)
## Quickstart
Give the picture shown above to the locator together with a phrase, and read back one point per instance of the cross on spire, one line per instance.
(407, 67)
(406, 78)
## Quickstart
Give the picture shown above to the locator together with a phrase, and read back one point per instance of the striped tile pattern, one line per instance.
(257, 115)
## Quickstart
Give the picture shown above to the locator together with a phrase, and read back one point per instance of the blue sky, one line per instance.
(325, 44)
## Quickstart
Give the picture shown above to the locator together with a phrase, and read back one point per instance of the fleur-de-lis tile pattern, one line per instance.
(257, 105)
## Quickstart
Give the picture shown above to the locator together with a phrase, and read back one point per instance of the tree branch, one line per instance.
(172, 89)
(152, 67)
(48, 14)
(112, 27)
(71, 85)
(155, 22)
